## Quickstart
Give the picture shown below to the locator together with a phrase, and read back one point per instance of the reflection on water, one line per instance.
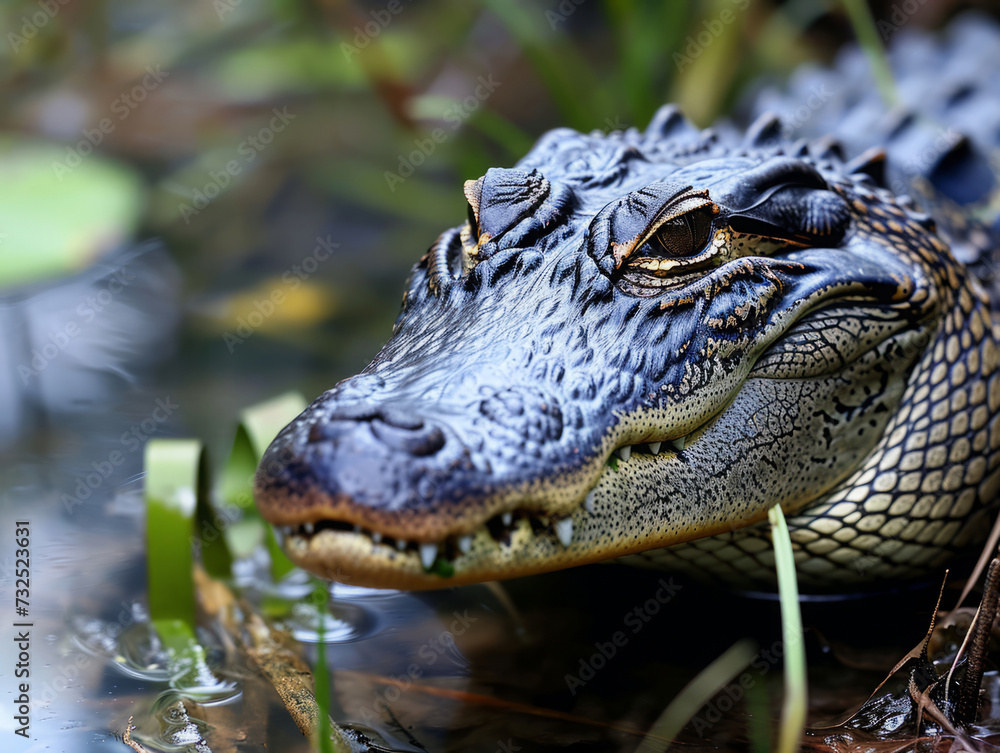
(70, 346)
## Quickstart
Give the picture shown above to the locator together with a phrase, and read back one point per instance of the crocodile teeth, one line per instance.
(428, 553)
(507, 518)
(464, 544)
(588, 501)
(654, 447)
(564, 530)
(308, 528)
(624, 452)
(377, 537)
(678, 443)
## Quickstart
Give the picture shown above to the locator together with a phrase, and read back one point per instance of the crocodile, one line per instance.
(635, 345)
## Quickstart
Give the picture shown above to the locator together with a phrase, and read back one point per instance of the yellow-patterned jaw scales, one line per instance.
(636, 345)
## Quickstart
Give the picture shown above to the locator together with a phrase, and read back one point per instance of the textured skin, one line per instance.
(806, 332)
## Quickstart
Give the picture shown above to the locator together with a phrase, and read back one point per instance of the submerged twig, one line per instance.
(280, 665)
(127, 738)
(968, 697)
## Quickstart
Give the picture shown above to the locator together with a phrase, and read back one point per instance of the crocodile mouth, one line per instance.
(518, 541)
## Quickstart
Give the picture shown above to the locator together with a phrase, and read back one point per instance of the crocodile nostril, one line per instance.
(399, 418)
(419, 440)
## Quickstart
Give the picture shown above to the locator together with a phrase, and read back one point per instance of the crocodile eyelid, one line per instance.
(627, 224)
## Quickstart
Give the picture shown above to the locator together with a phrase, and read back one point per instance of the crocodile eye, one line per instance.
(657, 229)
(680, 237)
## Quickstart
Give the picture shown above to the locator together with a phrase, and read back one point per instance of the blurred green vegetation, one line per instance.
(311, 151)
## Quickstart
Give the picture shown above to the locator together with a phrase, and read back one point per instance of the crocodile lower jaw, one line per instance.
(512, 543)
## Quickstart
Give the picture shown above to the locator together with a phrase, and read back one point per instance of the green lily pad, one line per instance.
(61, 207)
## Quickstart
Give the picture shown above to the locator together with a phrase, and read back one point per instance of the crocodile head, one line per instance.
(635, 340)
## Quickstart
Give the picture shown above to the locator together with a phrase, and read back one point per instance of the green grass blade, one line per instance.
(172, 467)
(504, 132)
(566, 75)
(212, 528)
(175, 482)
(188, 669)
(696, 694)
(645, 33)
(864, 28)
(263, 421)
(793, 711)
(321, 672)
(259, 424)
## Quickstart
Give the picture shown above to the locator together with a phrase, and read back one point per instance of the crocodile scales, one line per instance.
(638, 342)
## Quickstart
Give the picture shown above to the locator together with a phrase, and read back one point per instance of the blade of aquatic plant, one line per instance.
(864, 28)
(173, 467)
(696, 694)
(645, 33)
(259, 424)
(188, 668)
(793, 711)
(263, 421)
(504, 132)
(576, 94)
(321, 672)
(707, 75)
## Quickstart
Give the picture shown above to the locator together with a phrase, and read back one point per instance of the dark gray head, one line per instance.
(704, 307)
